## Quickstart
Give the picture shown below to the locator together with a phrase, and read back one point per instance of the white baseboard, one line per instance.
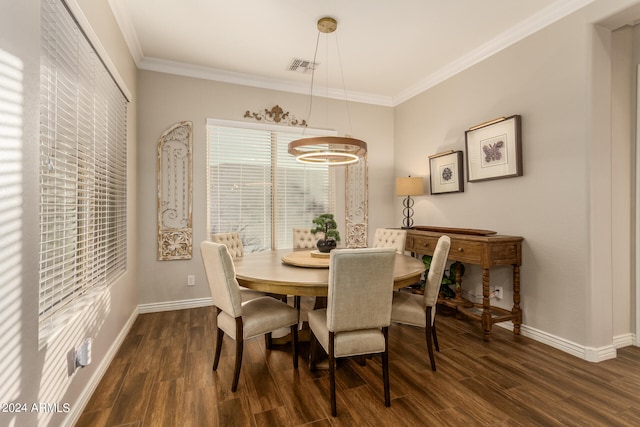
(590, 354)
(77, 409)
(625, 340)
(174, 305)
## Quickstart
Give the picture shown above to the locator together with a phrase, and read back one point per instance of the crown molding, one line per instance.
(545, 17)
(128, 30)
(208, 73)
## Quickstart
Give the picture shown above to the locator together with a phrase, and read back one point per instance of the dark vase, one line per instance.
(325, 246)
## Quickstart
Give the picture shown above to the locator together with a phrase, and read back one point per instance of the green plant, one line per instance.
(448, 278)
(327, 225)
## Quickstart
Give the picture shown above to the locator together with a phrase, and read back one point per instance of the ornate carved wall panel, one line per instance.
(175, 229)
(357, 204)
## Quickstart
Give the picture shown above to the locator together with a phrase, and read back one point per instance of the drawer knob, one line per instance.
(460, 250)
(426, 245)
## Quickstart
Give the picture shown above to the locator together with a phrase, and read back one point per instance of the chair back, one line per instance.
(390, 238)
(221, 275)
(232, 241)
(303, 239)
(360, 288)
(436, 271)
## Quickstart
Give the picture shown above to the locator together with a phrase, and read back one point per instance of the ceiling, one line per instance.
(383, 52)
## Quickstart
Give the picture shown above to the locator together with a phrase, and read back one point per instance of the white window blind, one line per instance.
(83, 170)
(258, 189)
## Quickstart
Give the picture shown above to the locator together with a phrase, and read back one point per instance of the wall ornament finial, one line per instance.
(276, 115)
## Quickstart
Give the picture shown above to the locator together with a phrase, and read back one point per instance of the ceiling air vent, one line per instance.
(302, 65)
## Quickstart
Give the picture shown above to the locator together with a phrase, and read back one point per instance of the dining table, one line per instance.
(306, 273)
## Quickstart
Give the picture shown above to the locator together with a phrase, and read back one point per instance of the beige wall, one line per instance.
(30, 374)
(562, 205)
(167, 99)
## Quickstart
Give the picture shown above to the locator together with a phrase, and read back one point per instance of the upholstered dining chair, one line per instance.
(233, 242)
(304, 239)
(242, 320)
(420, 310)
(358, 312)
(390, 238)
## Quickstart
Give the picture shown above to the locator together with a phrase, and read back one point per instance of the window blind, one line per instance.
(83, 170)
(258, 189)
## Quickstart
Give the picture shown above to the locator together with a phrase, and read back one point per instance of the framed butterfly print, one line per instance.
(445, 172)
(494, 149)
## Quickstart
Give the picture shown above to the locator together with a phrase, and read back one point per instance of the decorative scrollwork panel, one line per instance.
(175, 229)
(357, 204)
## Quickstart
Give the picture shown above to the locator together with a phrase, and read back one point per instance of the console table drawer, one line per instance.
(421, 244)
(470, 252)
(461, 250)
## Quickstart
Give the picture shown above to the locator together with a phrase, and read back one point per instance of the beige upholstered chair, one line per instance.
(358, 312)
(390, 238)
(242, 320)
(303, 239)
(420, 310)
(233, 242)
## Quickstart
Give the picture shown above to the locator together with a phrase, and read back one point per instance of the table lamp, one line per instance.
(409, 186)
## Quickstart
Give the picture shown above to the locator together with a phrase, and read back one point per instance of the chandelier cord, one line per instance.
(344, 87)
(313, 77)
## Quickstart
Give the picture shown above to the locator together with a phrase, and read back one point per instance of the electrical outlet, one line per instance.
(191, 280)
(498, 292)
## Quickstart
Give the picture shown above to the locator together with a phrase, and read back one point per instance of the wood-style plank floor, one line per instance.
(162, 376)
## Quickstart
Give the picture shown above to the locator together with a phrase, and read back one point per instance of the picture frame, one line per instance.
(445, 172)
(494, 149)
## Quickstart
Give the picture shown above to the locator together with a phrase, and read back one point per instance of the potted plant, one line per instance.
(326, 225)
(447, 279)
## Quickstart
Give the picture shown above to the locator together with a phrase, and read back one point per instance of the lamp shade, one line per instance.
(410, 186)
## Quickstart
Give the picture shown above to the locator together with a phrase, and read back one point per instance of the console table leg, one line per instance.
(486, 306)
(516, 311)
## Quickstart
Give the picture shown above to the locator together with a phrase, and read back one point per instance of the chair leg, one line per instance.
(429, 334)
(294, 344)
(385, 367)
(435, 336)
(216, 358)
(332, 375)
(219, 337)
(312, 351)
(267, 341)
(239, 346)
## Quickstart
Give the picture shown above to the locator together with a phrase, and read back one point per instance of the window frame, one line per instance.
(273, 128)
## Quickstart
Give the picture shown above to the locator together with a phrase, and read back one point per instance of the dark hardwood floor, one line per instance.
(162, 376)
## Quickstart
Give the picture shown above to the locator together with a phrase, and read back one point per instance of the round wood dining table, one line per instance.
(266, 271)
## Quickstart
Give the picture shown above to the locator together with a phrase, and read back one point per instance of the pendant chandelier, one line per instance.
(330, 150)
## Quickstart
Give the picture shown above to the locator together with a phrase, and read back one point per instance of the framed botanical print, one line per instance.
(446, 175)
(494, 150)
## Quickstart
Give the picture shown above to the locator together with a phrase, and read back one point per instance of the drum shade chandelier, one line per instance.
(330, 150)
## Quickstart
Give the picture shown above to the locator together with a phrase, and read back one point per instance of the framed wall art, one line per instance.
(494, 149)
(446, 175)
(175, 161)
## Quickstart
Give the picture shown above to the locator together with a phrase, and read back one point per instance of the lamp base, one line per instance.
(407, 222)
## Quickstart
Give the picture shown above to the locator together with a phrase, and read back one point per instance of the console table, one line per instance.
(479, 247)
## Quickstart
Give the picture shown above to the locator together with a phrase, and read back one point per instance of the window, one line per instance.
(83, 170)
(258, 189)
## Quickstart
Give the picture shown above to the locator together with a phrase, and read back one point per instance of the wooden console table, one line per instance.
(478, 247)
